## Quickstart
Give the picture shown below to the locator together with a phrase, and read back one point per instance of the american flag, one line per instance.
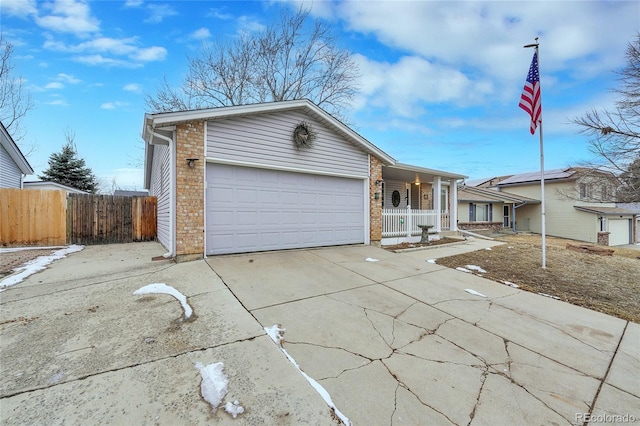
(530, 98)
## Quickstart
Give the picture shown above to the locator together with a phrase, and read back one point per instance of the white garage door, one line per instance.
(250, 209)
(620, 232)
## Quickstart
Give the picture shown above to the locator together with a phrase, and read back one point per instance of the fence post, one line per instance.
(409, 221)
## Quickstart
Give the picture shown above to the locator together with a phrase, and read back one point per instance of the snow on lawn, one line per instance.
(549, 295)
(161, 288)
(214, 387)
(470, 268)
(276, 332)
(431, 260)
(510, 284)
(468, 290)
(371, 259)
(35, 265)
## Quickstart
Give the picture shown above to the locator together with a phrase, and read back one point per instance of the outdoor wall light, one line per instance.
(191, 162)
(379, 181)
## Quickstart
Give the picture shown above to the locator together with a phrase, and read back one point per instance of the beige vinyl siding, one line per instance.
(266, 140)
(562, 219)
(160, 188)
(10, 174)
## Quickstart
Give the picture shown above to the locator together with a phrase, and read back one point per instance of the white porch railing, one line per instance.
(404, 222)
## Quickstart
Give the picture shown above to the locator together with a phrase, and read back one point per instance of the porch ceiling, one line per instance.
(412, 174)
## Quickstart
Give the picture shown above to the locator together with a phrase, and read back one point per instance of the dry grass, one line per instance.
(609, 284)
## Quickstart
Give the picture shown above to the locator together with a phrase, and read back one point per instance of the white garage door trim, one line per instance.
(252, 209)
(619, 232)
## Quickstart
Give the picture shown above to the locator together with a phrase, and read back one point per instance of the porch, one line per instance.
(413, 196)
(402, 225)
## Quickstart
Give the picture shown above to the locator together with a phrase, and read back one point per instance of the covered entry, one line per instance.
(252, 209)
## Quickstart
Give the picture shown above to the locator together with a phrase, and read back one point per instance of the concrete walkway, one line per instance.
(393, 341)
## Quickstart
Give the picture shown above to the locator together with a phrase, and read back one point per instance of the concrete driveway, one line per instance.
(393, 341)
(400, 340)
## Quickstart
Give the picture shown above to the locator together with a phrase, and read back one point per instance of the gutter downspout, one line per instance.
(172, 186)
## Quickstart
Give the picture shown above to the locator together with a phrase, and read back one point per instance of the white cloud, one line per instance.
(68, 16)
(133, 3)
(113, 105)
(68, 78)
(100, 48)
(54, 85)
(158, 12)
(406, 85)
(201, 34)
(21, 8)
(132, 87)
(148, 54)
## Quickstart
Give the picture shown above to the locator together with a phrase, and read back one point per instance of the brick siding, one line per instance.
(190, 191)
(375, 206)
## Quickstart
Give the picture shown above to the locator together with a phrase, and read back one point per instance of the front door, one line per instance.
(505, 219)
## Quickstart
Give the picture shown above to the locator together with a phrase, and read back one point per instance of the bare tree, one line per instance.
(616, 134)
(15, 102)
(289, 60)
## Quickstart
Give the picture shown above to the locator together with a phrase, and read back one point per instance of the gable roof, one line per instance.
(606, 210)
(14, 152)
(484, 195)
(168, 119)
(524, 178)
(46, 184)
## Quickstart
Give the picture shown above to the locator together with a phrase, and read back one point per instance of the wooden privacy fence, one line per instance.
(32, 217)
(106, 219)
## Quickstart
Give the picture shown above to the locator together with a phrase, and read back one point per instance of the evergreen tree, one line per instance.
(67, 169)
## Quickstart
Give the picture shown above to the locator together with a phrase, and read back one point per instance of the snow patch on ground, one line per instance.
(161, 288)
(234, 408)
(510, 284)
(36, 265)
(431, 261)
(488, 248)
(549, 295)
(460, 268)
(214, 387)
(371, 259)
(276, 333)
(476, 268)
(470, 291)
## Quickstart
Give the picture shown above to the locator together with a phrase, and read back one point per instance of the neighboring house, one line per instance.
(47, 185)
(481, 208)
(13, 164)
(124, 193)
(577, 206)
(250, 178)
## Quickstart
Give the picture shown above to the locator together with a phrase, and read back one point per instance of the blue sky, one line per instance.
(440, 81)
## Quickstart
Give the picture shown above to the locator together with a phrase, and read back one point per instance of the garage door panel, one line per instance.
(619, 232)
(261, 209)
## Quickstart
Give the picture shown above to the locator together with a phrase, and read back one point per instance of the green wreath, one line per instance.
(303, 135)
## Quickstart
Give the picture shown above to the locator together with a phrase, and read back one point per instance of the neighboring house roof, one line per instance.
(124, 193)
(486, 182)
(14, 152)
(52, 185)
(606, 210)
(635, 207)
(524, 178)
(484, 195)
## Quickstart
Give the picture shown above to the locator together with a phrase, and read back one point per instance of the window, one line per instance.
(585, 191)
(605, 193)
(480, 212)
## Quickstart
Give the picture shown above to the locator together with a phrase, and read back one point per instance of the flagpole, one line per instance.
(543, 215)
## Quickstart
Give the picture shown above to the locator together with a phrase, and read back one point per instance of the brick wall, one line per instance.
(375, 206)
(190, 191)
(603, 238)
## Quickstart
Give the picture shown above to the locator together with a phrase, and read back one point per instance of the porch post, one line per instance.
(409, 221)
(453, 209)
(437, 204)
